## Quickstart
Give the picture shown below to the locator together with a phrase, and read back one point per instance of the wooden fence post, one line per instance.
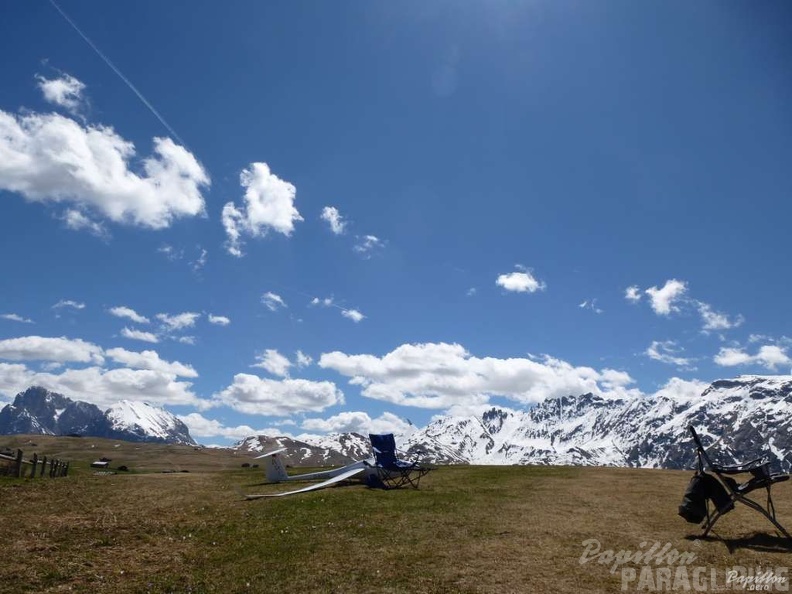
(43, 466)
(34, 462)
(19, 464)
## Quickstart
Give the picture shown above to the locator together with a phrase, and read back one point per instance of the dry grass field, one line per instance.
(467, 530)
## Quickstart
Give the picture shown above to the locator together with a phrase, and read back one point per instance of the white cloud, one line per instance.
(174, 323)
(62, 350)
(679, 389)
(170, 252)
(269, 205)
(440, 375)
(357, 422)
(274, 362)
(713, 320)
(185, 339)
(251, 394)
(272, 301)
(667, 352)
(368, 244)
(331, 215)
(16, 318)
(353, 315)
(68, 303)
(632, 294)
(663, 300)
(200, 426)
(122, 311)
(78, 221)
(133, 334)
(51, 158)
(471, 291)
(219, 320)
(66, 91)
(768, 356)
(326, 302)
(150, 360)
(591, 305)
(303, 360)
(199, 262)
(521, 281)
(103, 387)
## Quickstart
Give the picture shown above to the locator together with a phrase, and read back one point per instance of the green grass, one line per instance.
(467, 530)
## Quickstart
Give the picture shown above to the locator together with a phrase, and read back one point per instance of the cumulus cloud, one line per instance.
(272, 301)
(302, 359)
(79, 221)
(65, 91)
(101, 386)
(150, 360)
(122, 311)
(353, 315)
(769, 356)
(664, 300)
(219, 320)
(251, 394)
(632, 294)
(175, 323)
(200, 426)
(134, 334)
(268, 205)
(667, 352)
(679, 389)
(333, 218)
(274, 362)
(61, 350)
(520, 281)
(357, 422)
(440, 375)
(50, 158)
(16, 318)
(713, 320)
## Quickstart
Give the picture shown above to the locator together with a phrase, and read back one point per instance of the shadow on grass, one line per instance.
(758, 541)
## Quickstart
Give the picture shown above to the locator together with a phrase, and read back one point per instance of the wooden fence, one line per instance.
(17, 466)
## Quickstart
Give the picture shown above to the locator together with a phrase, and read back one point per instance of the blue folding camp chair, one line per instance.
(392, 471)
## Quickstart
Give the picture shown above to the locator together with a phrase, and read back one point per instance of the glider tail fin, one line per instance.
(274, 469)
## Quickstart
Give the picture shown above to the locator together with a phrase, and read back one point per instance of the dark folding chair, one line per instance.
(392, 471)
(761, 478)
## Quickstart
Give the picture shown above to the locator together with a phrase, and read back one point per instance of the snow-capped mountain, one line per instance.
(37, 410)
(739, 418)
(329, 450)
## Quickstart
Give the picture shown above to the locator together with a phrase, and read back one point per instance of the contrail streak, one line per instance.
(119, 73)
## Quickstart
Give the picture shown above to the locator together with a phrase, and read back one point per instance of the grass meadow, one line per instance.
(469, 529)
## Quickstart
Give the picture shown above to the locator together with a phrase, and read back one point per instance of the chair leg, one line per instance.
(753, 505)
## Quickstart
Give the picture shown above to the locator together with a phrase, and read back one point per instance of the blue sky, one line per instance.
(305, 217)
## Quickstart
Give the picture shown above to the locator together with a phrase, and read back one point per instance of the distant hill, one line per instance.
(39, 411)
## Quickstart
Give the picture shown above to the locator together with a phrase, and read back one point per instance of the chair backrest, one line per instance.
(700, 451)
(384, 446)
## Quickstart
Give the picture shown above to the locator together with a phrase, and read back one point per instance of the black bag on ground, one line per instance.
(702, 487)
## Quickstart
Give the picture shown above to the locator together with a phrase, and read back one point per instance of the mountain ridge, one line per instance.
(40, 411)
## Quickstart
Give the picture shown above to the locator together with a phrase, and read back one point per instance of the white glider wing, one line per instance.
(327, 483)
